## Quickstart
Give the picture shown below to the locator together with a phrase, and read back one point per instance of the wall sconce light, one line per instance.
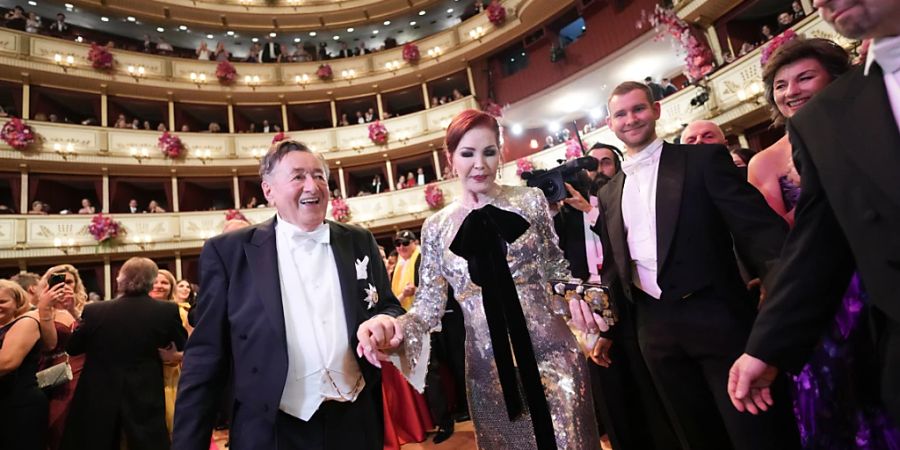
(258, 152)
(64, 61)
(139, 154)
(198, 78)
(245, 2)
(137, 72)
(301, 80)
(252, 81)
(65, 246)
(144, 241)
(533, 144)
(393, 66)
(476, 33)
(293, 2)
(348, 74)
(204, 155)
(65, 151)
(753, 91)
(434, 52)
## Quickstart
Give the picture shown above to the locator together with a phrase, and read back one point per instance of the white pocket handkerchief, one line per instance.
(362, 271)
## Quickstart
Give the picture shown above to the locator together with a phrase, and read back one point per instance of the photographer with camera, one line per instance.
(626, 402)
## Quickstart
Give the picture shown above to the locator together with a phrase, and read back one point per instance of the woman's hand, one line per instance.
(170, 354)
(48, 297)
(585, 320)
(381, 332)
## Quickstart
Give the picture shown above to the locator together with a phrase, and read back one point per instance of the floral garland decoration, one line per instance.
(339, 210)
(378, 133)
(226, 73)
(104, 229)
(17, 134)
(100, 57)
(434, 196)
(523, 165)
(698, 59)
(496, 13)
(324, 72)
(493, 108)
(573, 149)
(279, 137)
(234, 214)
(411, 53)
(774, 44)
(170, 145)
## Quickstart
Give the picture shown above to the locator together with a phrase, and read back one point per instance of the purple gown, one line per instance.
(836, 402)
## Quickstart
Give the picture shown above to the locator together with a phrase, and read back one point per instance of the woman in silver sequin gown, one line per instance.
(534, 259)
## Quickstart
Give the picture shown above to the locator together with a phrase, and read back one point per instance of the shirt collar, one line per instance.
(887, 52)
(296, 236)
(648, 156)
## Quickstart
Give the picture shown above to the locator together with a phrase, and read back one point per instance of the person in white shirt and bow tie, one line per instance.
(280, 303)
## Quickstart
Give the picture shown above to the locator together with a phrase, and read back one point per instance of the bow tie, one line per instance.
(309, 238)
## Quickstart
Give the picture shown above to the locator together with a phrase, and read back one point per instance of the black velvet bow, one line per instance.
(482, 241)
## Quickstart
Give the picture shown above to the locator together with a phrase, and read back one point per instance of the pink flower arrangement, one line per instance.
(104, 229)
(411, 53)
(339, 210)
(434, 196)
(17, 134)
(324, 72)
(233, 214)
(226, 73)
(279, 137)
(171, 145)
(698, 57)
(523, 165)
(573, 149)
(496, 13)
(100, 57)
(774, 44)
(378, 133)
(493, 108)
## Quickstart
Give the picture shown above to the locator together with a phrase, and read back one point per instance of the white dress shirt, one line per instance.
(593, 249)
(639, 215)
(886, 51)
(321, 365)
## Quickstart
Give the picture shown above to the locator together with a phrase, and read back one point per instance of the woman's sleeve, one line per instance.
(426, 312)
(554, 262)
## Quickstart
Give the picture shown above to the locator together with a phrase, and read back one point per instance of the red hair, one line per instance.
(463, 123)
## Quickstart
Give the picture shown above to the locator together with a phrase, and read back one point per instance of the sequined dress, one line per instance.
(533, 258)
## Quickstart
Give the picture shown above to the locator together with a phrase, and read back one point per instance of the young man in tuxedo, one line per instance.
(628, 407)
(672, 217)
(279, 306)
(846, 147)
(271, 50)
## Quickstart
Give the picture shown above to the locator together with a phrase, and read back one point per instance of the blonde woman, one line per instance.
(68, 311)
(164, 290)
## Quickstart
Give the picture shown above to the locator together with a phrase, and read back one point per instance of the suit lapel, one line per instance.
(872, 137)
(669, 186)
(342, 248)
(611, 195)
(262, 259)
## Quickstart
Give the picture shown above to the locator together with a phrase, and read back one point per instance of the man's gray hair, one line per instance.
(137, 275)
(277, 152)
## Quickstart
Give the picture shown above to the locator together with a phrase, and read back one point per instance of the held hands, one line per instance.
(381, 332)
(170, 354)
(591, 325)
(748, 384)
(576, 200)
(408, 291)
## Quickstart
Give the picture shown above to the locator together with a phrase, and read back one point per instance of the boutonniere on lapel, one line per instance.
(371, 296)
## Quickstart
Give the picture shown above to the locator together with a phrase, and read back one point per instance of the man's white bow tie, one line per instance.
(317, 236)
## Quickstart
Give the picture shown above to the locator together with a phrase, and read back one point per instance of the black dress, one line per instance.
(23, 407)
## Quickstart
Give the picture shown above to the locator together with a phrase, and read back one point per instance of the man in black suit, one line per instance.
(120, 392)
(670, 217)
(271, 50)
(628, 407)
(846, 146)
(279, 306)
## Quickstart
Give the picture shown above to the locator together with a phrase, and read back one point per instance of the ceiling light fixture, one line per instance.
(273, 34)
(69, 6)
(449, 10)
(312, 33)
(350, 30)
(412, 23)
(230, 33)
(422, 13)
(209, 36)
(337, 38)
(183, 27)
(374, 31)
(102, 19)
(254, 40)
(160, 29)
(517, 129)
(296, 39)
(131, 18)
(32, 3)
(387, 22)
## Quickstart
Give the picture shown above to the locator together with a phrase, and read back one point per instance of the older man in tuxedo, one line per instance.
(279, 306)
(846, 146)
(673, 215)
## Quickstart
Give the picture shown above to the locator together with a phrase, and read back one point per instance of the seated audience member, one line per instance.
(148, 44)
(785, 20)
(359, 118)
(361, 49)
(59, 25)
(253, 56)
(401, 182)
(220, 54)
(741, 156)
(135, 124)
(23, 407)
(266, 127)
(766, 33)
(121, 339)
(163, 46)
(120, 122)
(147, 125)
(667, 87)
(703, 132)
(300, 54)
(33, 23)
(161, 127)
(185, 128)
(797, 10)
(133, 206)
(420, 176)
(746, 47)
(214, 127)
(344, 121)
(203, 52)
(252, 202)
(86, 207)
(370, 115)
(410, 179)
(16, 18)
(154, 207)
(37, 207)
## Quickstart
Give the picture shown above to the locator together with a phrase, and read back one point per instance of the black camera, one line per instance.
(552, 181)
